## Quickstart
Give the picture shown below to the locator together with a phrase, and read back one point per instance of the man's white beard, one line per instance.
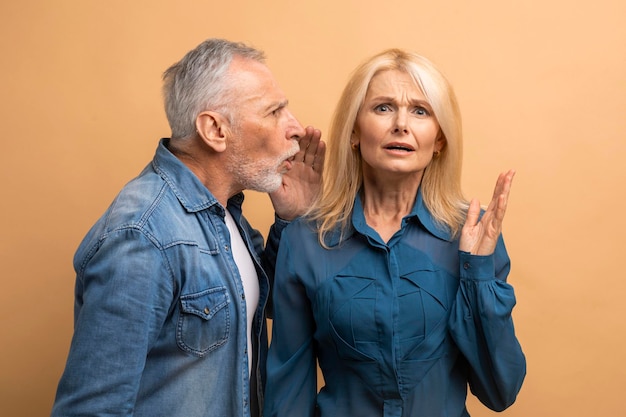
(262, 175)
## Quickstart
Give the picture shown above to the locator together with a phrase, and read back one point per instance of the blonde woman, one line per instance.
(394, 282)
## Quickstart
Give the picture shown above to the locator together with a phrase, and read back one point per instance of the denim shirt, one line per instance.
(400, 329)
(160, 311)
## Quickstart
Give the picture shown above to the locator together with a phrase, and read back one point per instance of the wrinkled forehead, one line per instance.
(394, 83)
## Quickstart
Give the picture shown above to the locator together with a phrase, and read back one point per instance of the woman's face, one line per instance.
(396, 128)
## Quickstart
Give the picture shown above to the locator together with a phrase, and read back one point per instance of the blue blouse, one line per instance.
(399, 328)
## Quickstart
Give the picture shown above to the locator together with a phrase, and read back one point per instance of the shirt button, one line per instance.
(243, 296)
(226, 248)
(466, 265)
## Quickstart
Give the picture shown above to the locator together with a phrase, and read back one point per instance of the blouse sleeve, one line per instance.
(269, 258)
(482, 327)
(291, 365)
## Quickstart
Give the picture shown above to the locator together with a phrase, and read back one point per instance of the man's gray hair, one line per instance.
(198, 82)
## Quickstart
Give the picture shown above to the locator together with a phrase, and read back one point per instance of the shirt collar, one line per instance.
(190, 191)
(427, 220)
(419, 214)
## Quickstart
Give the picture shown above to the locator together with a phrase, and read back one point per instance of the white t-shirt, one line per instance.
(249, 278)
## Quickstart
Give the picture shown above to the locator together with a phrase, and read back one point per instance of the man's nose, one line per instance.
(294, 129)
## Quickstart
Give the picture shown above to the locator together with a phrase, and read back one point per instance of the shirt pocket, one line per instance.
(204, 321)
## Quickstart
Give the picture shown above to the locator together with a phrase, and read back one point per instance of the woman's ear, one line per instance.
(213, 129)
(440, 141)
(354, 140)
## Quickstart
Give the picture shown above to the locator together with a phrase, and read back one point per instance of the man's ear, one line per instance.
(214, 130)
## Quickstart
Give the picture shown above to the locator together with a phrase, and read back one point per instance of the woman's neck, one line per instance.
(384, 207)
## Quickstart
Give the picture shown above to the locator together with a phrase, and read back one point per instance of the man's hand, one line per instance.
(480, 237)
(303, 181)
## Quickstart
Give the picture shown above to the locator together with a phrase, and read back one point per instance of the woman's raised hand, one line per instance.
(480, 234)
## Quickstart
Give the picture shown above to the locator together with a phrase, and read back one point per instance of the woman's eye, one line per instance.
(422, 111)
(382, 108)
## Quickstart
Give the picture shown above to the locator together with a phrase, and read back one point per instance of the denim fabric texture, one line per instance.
(400, 329)
(160, 311)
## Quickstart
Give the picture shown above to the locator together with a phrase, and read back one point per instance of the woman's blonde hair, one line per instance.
(343, 175)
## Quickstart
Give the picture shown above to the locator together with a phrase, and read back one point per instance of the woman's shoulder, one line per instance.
(301, 227)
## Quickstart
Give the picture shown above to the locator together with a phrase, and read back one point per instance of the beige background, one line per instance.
(542, 86)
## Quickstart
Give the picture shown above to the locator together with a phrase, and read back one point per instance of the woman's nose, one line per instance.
(401, 123)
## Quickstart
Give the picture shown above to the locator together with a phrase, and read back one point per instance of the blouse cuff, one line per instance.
(476, 267)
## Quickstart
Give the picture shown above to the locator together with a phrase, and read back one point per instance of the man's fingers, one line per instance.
(310, 145)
